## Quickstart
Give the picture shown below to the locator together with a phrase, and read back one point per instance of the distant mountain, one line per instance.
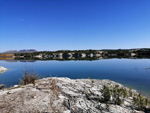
(27, 51)
(10, 52)
(20, 51)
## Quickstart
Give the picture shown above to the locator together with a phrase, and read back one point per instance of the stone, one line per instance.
(62, 95)
(2, 69)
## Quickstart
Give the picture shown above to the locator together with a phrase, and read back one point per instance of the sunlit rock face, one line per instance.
(2, 69)
(64, 95)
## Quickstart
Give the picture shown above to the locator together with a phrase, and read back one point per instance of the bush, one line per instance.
(118, 94)
(92, 82)
(130, 92)
(29, 78)
(106, 94)
(2, 86)
(140, 102)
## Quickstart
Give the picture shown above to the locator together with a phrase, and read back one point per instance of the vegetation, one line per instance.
(106, 94)
(117, 95)
(77, 54)
(92, 81)
(141, 102)
(114, 94)
(2, 86)
(130, 91)
(29, 78)
(6, 56)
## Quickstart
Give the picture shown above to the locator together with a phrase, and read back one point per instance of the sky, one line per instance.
(74, 24)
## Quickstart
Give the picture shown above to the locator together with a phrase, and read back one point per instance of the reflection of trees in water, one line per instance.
(27, 60)
(20, 60)
(66, 58)
(148, 68)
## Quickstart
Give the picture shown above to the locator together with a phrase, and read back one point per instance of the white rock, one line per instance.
(15, 86)
(60, 94)
(2, 69)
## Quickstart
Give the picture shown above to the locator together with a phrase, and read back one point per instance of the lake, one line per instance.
(130, 72)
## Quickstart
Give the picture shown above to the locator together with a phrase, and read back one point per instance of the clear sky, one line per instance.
(74, 24)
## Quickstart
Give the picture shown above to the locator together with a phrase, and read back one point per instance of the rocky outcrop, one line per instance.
(64, 95)
(2, 69)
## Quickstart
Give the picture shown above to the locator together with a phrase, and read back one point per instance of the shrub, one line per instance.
(2, 86)
(118, 94)
(29, 78)
(140, 102)
(130, 92)
(92, 81)
(106, 94)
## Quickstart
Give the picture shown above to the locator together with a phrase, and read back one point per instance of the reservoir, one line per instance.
(134, 73)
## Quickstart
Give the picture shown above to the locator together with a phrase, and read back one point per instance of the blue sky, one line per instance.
(74, 24)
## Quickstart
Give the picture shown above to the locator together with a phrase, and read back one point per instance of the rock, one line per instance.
(15, 86)
(2, 69)
(62, 95)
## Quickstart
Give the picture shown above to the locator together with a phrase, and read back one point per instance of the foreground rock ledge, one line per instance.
(61, 95)
(2, 69)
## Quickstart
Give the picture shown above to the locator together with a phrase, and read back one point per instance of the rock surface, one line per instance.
(62, 95)
(2, 69)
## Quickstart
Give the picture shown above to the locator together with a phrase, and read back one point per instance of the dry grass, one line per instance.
(6, 55)
(29, 78)
(54, 95)
(53, 86)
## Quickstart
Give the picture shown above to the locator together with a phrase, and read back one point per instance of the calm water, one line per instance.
(130, 72)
